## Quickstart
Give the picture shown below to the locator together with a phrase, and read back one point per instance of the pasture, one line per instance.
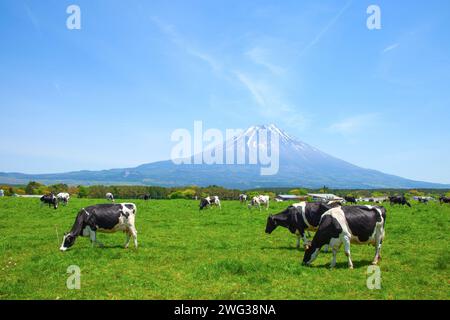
(214, 254)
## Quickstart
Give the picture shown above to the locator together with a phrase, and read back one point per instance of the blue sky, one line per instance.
(110, 95)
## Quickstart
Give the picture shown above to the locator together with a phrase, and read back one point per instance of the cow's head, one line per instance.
(68, 241)
(271, 224)
(55, 202)
(203, 204)
(329, 228)
(283, 219)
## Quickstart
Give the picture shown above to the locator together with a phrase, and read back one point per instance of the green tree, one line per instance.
(299, 192)
(83, 192)
(32, 186)
(57, 188)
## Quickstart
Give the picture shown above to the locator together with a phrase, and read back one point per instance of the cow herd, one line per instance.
(334, 223)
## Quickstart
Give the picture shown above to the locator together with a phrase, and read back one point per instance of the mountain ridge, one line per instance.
(300, 165)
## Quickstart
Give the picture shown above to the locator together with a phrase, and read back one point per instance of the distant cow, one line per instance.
(350, 199)
(146, 197)
(243, 198)
(343, 225)
(258, 201)
(422, 200)
(209, 202)
(298, 218)
(103, 218)
(109, 196)
(399, 200)
(444, 200)
(50, 199)
(2, 193)
(63, 197)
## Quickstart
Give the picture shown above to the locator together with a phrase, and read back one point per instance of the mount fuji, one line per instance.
(300, 165)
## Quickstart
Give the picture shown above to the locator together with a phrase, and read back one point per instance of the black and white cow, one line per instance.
(423, 200)
(109, 196)
(209, 202)
(350, 199)
(63, 197)
(106, 218)
(145, 197)
(345, 225)
(259, 201)
(443, 199)
(399, 200)
(298, 218)
(50, 199)
(243, 198)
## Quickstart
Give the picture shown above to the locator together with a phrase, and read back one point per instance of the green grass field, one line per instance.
(216, 254)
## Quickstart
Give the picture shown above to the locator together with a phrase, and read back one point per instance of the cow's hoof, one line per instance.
(350, 267)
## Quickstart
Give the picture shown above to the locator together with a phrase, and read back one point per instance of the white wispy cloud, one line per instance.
(391, 47)
(325, 29)
(270, 101)
(175, 37)
(34, 20)
(354, 124)
(259, 56)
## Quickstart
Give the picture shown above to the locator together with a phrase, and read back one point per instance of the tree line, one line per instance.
(195, 192)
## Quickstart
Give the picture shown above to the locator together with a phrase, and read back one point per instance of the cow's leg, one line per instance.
(127, 241)
(305, 240)
(93, 237)
(335, 245)
(134, 234)
(347, 251)
(333, 260)
(378, 242)
(325, 248)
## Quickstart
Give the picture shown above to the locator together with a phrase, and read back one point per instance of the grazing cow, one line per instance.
(298, 218)
(258, 201)
(50, 199)
(63, 197)
(444, 199)
(243, 198)
(107, 218)
(423, 200)
(146, 197)
(356, 224)
(350, 199)
(399, 200)
(109, 196)
(209, 202)
(2, 193)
